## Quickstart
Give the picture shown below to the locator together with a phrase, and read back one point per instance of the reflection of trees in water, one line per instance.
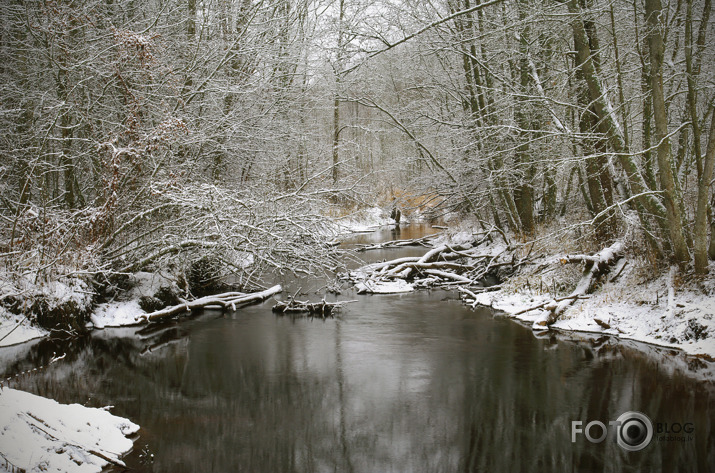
(521, 419)
(283, 396)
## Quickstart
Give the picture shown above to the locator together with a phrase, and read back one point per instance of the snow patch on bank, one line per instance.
(22, 293)
(40, 434)
(16, 329)
(384, 287)
(365, 220)
(117, 314)
(627, 308)
(127, 311)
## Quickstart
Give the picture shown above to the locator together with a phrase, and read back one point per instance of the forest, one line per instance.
(547, 160)
(227, 137)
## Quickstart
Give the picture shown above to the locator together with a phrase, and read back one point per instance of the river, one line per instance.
(396, 383)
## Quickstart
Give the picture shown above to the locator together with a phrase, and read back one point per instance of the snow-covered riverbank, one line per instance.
(627, 310)
(16, 329)
(40, 434)
(129, 306)
(631, 302)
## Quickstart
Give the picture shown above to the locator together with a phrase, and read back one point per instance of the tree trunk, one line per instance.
(336, 99)
(701, 214)
(619, 78)
(607, 121)
(524, 194)
(336, 133)
(711, 250)
(598, 177)
(653, 11)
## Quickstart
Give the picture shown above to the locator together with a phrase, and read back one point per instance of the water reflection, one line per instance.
(396, 383)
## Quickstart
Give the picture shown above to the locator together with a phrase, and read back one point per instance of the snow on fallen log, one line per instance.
(464, 261)
(41, 434)
(384, 287)
(225, 301)
(471, 298)
(596, 265)
(405, 269)
(447, 275)
(423, 241)
(322, 308)
(445, 265)
(374, 267)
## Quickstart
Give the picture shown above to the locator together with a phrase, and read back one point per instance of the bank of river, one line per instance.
(411, 382)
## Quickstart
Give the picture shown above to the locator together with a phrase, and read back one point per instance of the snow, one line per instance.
(628, 309)
(117, 314)
(16, 329)
(40, 434)
(127, 310)
(366, 220)
(74, 290)
(384, 287)
(148, 284)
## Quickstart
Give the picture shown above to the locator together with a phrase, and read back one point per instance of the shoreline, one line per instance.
(681, 319)
(690, 328)
(603, 321)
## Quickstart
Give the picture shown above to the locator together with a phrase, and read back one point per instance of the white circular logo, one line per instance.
(634, 431)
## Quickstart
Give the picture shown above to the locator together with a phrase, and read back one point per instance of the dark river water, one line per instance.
(396, 383)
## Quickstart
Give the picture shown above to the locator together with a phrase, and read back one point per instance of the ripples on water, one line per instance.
(396, 383)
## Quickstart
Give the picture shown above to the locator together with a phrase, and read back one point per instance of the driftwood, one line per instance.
(596, 266)
(423, 241)
(225, 301)
(551, 304)
(469, 296)
(444, 265)
(322, 308)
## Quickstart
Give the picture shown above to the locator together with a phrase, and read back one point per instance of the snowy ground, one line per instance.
(16, 329)
(127, 311)
(631, 307)
(40, 434)
(366, 220)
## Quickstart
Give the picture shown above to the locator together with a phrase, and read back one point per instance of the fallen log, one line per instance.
(550, 304)
(372, 286)
(372, 267)
(423, 241)
(596, 265)
(441, 253)
(322, 308)
(470, 296)
(447, 275)
(225, 301)
(398, 271)
(443, 265)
